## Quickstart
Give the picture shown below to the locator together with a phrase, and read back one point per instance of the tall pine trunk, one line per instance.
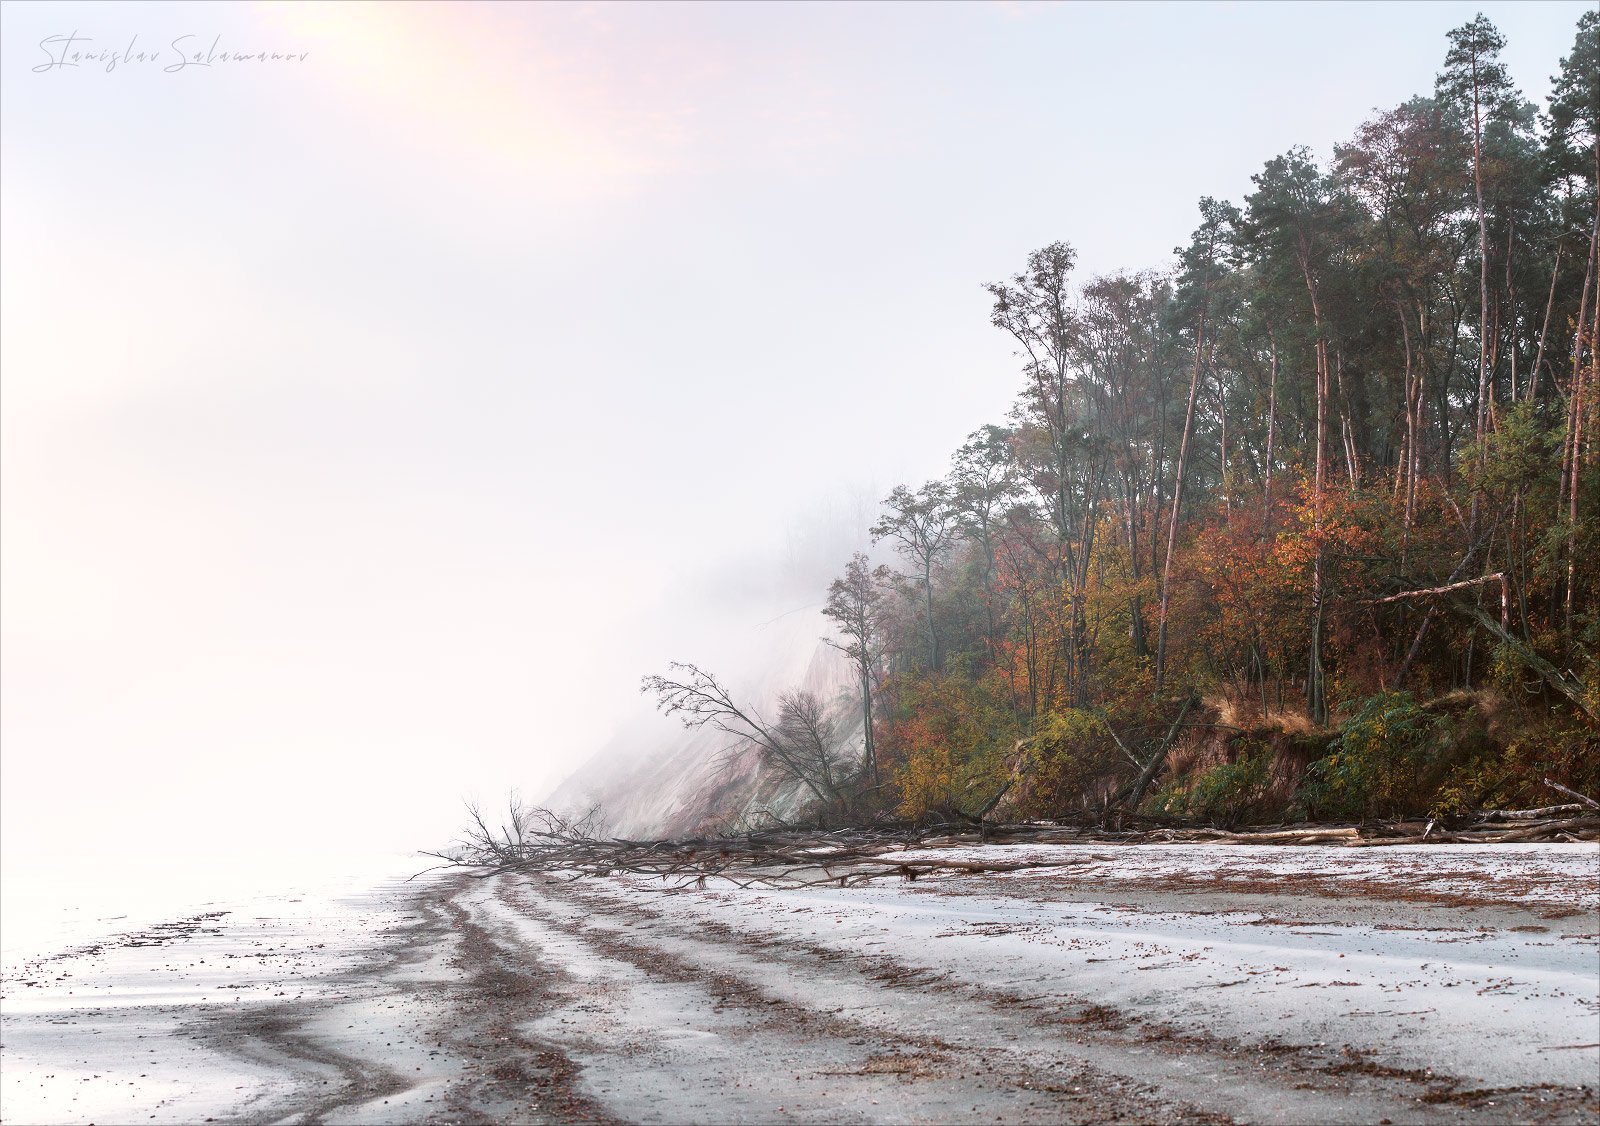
(1177, 501)
(1483, 290)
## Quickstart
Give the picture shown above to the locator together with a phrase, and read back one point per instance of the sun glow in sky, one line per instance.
(491, 92)
(372, 422)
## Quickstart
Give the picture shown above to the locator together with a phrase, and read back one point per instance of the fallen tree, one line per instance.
(540, 840)
(543, 841)
(799, 745)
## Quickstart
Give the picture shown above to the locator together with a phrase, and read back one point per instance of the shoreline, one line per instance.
(1148, 983)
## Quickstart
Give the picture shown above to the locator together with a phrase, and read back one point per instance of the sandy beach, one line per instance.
(1139, 984)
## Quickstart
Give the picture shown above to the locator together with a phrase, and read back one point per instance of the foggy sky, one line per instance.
(371, 423)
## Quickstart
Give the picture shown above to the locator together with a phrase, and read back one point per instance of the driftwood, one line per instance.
(1542, 813)
(1549, 830)
(540, 841)
(782, 857)
(1292, 836)
(1571, 830)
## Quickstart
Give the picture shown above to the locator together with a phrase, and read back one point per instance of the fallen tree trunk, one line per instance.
(1147, 775)
(539, 841)
(1531, 814)
(1550, 674)
(1537, 832)
(1585, 799)
(1497, 577)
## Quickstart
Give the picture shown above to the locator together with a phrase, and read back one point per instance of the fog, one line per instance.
(373, 421)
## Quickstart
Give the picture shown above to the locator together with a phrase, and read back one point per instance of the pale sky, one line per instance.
(372, 422)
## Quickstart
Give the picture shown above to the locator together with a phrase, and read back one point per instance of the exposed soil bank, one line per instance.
(1149, 984)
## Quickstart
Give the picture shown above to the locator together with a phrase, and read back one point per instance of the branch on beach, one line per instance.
(785, 857)
(521, 830)
(542, 841)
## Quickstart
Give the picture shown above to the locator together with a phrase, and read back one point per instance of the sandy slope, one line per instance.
(1159, 983)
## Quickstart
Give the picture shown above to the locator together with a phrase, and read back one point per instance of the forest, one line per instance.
(1301, 528)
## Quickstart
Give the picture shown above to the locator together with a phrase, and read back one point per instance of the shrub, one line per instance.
(1224, 794)
(1513, 777)
(1374, 764)
(949, 743)
(1068, 756)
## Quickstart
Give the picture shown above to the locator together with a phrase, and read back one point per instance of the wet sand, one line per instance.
(1151, 984)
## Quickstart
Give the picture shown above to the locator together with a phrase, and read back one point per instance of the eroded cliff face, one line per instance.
(658, 779)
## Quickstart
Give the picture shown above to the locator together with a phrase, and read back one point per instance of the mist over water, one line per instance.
(49, 910)
(370, 428)
(752, 618)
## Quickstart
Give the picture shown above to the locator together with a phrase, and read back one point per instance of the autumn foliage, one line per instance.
(1333, 476)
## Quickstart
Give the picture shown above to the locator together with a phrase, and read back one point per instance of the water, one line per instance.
(48, 909)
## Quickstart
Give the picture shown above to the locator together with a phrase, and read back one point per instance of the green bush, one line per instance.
(1374, 765)
(1512, 777)
(1225, 794)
